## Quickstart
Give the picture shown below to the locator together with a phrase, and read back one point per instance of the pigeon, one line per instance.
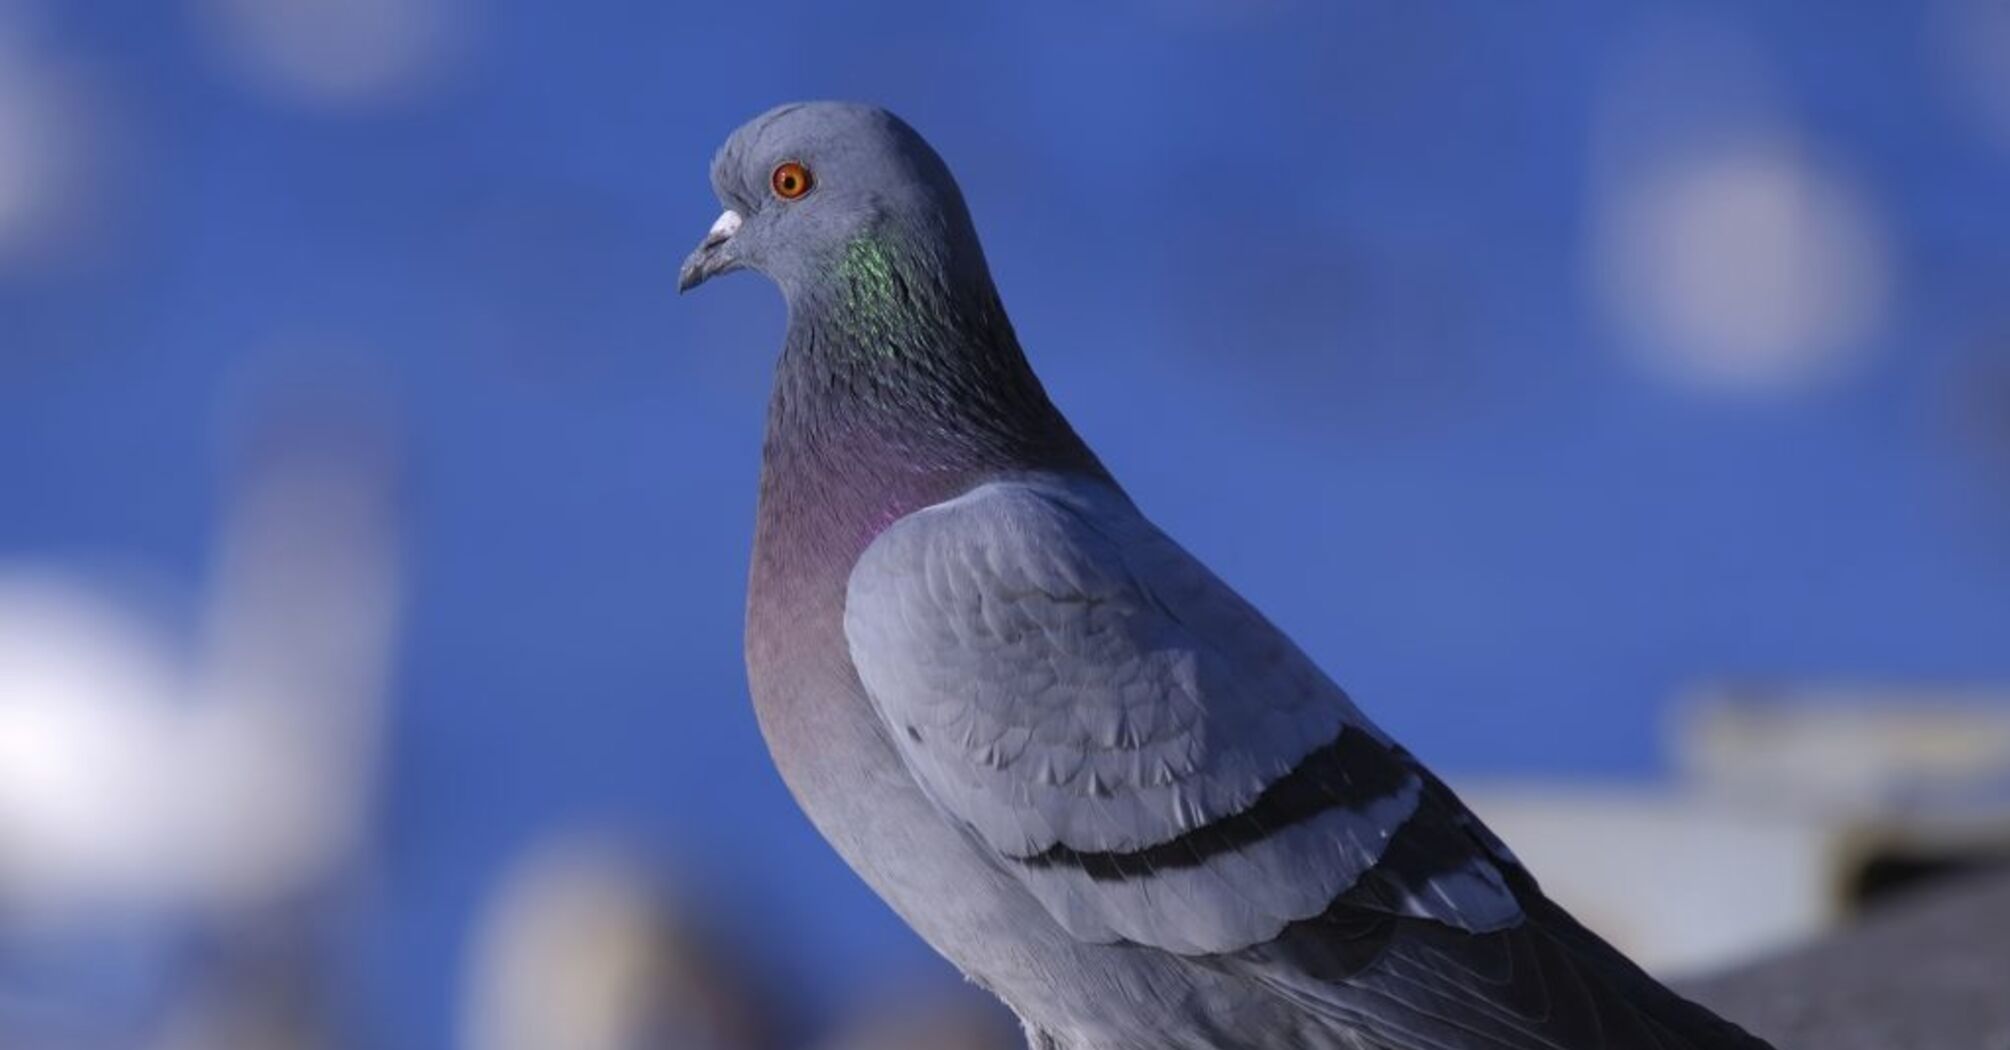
(1076, 762)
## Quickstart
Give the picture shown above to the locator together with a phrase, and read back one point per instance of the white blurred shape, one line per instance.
(1748, 268)
(337, 54)
(583, 947)
(49, 131)
(1797, 805)
(1729, 254)
(1968, 45)
(565, 956)
(134, 776)
(21, 128)
(81, 685)
(1853, 749)
(1681, 882)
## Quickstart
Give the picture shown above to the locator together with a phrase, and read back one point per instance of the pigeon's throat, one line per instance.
(908, 349)
(894, 305)
(873, 287)
(892, 327)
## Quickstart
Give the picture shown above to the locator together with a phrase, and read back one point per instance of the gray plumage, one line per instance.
(1079, 764)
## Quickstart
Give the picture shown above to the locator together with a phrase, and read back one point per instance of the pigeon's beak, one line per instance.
(714, 255)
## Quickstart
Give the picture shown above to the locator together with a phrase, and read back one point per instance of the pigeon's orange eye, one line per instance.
(790, 180)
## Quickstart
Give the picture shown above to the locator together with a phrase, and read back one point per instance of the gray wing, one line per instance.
(1158, 764)
(1153, 759)
(1544, 983)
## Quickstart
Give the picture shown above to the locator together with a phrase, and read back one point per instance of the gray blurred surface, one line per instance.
(1928, 972)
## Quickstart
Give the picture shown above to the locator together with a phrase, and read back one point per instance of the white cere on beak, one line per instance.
(722, 227)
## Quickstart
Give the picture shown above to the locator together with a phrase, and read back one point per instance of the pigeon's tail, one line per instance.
(1408, 983)
(1664, 1017)
(1548, 984)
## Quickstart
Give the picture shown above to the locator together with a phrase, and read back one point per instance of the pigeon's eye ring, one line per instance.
(790, 180)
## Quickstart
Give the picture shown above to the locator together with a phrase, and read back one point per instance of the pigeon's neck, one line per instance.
(901, 384)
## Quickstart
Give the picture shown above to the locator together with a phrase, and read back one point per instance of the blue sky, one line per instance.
(1321, 282)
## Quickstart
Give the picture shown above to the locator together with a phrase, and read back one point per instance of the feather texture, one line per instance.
(1149, 755)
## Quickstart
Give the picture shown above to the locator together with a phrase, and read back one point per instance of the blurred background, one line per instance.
(1615, 397)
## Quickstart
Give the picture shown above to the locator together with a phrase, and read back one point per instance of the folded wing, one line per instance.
(1154, 760)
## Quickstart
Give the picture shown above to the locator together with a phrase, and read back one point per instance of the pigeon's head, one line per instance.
(808, 185)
